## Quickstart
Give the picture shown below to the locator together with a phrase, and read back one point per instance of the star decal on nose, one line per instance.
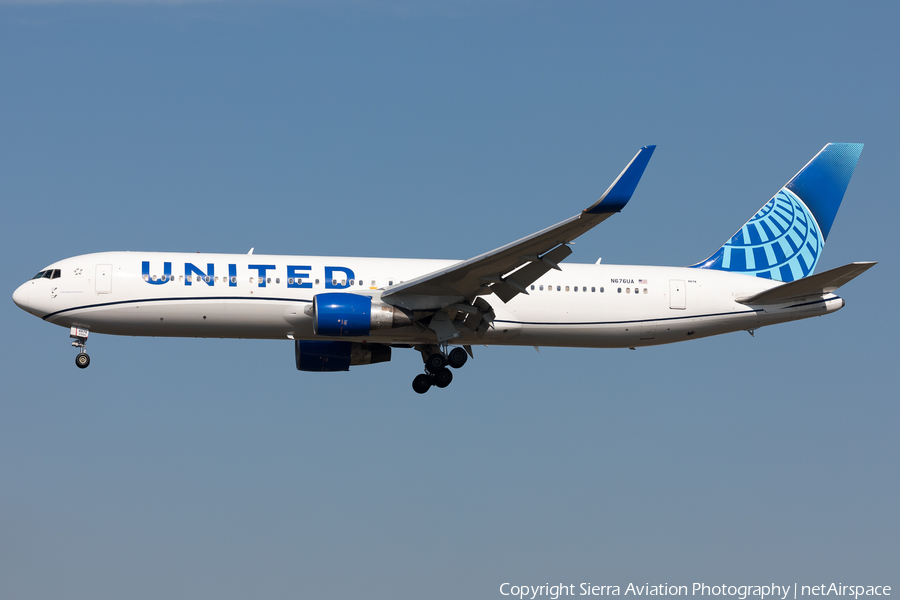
(78, 271)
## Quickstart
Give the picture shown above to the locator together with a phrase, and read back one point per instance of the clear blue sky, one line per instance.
(213, 469)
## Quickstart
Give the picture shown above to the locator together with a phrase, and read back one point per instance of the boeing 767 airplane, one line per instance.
(343, 312)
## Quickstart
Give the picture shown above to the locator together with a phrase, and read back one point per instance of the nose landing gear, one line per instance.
(80, 336)
(82, 360)
(436, 362)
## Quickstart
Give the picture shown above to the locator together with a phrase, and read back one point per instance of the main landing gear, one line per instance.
(80, 336)
(436, 372)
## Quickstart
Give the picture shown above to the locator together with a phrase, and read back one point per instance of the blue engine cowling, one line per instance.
(338, 356)
(340, 314)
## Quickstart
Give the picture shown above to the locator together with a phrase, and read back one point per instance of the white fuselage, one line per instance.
(259, 296)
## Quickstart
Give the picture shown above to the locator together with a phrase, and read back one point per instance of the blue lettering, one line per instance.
(292, 272)
(232, 275)
(333, 283)
(167, 273)
(261, 269)
(209, 276)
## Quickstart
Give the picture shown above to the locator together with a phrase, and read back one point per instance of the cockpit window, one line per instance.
(48, 274)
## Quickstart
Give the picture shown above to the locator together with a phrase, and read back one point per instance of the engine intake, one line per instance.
(342, 314)
(338, 356)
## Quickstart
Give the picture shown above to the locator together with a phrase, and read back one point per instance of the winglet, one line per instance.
(619, 193)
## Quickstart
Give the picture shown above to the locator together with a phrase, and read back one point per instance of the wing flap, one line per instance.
(518, 281)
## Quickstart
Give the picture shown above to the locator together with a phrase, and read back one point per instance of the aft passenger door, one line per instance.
(677, 295)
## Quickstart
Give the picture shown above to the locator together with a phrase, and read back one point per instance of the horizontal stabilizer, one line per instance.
(814, 285)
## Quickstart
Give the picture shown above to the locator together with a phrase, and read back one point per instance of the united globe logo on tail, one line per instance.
(784, 239)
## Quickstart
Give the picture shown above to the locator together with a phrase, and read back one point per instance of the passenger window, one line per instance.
(233, 279)
(146, 278)
(620, 290)
(593, 289)
(602, 290)
(391, 282)
(532, 287)
(567, 288)
(251, 280)
(645, 290)
(576, 288)
(583, 288)
(268, 280)
(541, 288)
(317, 282)
(373, 283)
(206, 279)
(351, 282)
(290, 281)
(627, 290)
(557, 289)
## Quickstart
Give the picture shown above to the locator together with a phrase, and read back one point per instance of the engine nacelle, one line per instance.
(342, 314)
(338, 356)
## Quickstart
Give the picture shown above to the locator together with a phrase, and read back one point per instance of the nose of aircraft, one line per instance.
(20, 296)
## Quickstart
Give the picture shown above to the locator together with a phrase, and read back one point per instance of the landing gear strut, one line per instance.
(436, 362)
(80, 336)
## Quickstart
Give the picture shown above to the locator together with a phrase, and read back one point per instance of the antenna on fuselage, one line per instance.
(251, 251)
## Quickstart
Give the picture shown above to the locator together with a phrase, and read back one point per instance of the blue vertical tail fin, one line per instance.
(783, 241)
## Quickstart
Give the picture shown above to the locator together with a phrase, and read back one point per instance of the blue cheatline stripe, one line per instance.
(65, 310)
(725, 314)
(555, 324)
(822, 301)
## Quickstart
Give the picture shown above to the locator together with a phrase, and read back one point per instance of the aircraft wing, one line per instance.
(814, 285)
(510, 269)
